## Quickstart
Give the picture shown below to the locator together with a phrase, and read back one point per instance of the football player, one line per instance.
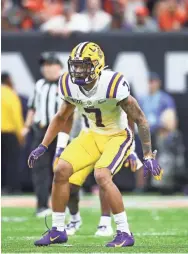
(104, 228)
(101, 95)
(77, 180)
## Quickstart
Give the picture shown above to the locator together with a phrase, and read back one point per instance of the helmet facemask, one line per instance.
(82, 71)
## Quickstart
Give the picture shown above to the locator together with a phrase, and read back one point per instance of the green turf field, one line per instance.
(155, 230)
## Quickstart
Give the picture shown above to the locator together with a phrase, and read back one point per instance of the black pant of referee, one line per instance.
(10, 163)
(42, 172)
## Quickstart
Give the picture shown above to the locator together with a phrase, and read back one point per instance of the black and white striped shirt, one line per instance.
(45, 101)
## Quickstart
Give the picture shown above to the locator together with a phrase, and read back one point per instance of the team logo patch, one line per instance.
(101, 101)
(89, 103)
(120, 245)
(76, 101)
(53, 239)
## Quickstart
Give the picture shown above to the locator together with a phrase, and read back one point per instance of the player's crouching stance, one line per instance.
(101, 95)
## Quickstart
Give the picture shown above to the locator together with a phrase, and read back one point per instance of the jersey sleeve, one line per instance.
(123, 90)
(118, 87)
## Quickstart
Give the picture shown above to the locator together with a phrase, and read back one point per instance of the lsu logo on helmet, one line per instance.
(85, 63)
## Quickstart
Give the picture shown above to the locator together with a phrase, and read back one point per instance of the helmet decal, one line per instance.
(80, 49)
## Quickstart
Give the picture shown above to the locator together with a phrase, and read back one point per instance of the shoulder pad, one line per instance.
(115, 80)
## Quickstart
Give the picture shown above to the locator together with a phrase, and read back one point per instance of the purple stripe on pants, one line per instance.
(123, 157)
(122, 146)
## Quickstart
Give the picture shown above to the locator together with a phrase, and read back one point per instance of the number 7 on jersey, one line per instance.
(98, 115)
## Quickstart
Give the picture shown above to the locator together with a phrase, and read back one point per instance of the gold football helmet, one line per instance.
(85, 63)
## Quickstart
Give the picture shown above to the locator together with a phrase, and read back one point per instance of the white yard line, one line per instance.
(138, 202)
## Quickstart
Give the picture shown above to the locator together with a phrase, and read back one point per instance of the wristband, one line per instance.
(46, 147)
(62, 139)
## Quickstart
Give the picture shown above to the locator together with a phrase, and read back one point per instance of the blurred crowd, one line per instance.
(62, 17)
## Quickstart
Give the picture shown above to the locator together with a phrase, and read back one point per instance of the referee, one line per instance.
(42, 107)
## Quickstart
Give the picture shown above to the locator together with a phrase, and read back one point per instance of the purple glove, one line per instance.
(35, 154)
(131, 162)
(58, 153)
(151, 165)
(132, 157)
